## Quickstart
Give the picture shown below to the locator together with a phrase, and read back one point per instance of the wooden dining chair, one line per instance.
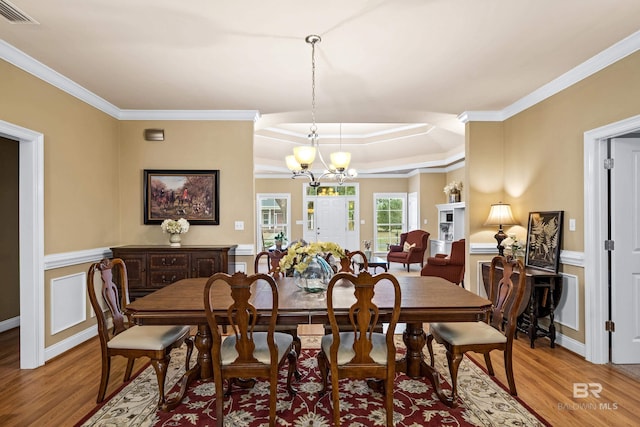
(359, 352)
(246, 353)
(497, 333)
(272, 259)
(351, 260)
(124, 339)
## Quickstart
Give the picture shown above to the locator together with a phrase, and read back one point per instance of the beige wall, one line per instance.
(223, 145)
(534, 160)
(428, 185)
(93, 173)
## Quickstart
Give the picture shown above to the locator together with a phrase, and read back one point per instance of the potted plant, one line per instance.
(279, 238)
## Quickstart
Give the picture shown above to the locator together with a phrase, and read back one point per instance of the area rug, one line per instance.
(483, 401)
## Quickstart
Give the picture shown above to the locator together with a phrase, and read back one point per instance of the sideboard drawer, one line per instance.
(169, 260)
(160, 279)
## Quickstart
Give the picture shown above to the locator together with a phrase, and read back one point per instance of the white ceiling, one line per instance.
(395, 73)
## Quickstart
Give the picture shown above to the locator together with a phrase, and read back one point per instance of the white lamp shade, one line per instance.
(500, 214)
(292, 163)
(305, 155)
(340, 159)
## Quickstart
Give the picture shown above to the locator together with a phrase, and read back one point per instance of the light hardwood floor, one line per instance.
(64, 390)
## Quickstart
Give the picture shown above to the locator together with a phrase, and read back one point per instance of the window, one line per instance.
(274, 212)
(390, 211)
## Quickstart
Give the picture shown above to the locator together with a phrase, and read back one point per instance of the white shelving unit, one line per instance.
(450, 227)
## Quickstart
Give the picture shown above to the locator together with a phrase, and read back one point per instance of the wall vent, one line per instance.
(14, 15)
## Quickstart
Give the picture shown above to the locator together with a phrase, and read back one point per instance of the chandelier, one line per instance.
(301, 161)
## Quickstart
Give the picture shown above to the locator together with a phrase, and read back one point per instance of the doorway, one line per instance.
(596, 231)
(31, 232)
(332, 215)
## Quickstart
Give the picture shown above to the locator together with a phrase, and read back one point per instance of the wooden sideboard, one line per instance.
(151, 267)
(543, 291)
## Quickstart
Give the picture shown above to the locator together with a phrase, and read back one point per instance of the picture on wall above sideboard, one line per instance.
(189, 194)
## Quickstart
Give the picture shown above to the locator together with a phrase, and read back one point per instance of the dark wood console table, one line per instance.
(543, 291)
(152, 267)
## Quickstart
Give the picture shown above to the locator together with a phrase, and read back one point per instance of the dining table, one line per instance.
(424, 299)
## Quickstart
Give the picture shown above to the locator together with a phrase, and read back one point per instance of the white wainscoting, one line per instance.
(68, 301)
(567, 310)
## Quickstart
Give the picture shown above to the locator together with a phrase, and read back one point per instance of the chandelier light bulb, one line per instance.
(340, 160)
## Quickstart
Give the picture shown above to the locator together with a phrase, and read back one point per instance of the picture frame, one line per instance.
(190, 194)
(544, 239)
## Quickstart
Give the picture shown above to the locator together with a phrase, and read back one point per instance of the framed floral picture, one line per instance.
(544, 238)
(189, 194)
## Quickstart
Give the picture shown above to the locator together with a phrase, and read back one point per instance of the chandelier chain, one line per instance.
(314, 128)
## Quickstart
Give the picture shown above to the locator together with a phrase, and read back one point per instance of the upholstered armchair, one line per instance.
(410, 250)
(449, 267)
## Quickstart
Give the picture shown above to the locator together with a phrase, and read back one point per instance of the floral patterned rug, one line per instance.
(483, 401)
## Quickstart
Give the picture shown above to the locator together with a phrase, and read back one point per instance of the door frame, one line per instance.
(595, 233)
(31, 232)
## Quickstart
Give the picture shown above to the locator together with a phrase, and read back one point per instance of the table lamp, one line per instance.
(500, 214)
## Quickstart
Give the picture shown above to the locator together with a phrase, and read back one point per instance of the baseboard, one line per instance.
(69, 343)
(571, 344)
(8, 324)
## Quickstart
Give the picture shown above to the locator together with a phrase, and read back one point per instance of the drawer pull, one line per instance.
(164, 261)
(173, 279)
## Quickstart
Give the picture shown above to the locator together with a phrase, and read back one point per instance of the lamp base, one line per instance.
(500, 236)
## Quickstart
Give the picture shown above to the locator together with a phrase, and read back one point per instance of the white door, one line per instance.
(625, 258)
(331, 220)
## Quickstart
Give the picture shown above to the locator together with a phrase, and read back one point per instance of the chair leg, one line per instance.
(388, 394)
(220, 400)
(189, 342)
(292, 357)
(430, 348)
(335, 396)
(322, 367)
(160, 366)
(104, 378)
(273, 396)
(129, 369)
(487, 361)
(508, 365)
(454, 362)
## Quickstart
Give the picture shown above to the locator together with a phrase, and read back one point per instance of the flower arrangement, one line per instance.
(300, 254)
(514, 245)
(453, 187)
(172, 226)
(280, 236)
(367, 244)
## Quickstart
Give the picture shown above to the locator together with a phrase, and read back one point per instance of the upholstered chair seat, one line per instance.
(345, 350)
(283, 341)
(464, 333)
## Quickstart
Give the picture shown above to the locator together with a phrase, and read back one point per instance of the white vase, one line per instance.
(174, 240)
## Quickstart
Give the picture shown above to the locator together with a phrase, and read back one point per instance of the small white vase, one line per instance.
(174, 240)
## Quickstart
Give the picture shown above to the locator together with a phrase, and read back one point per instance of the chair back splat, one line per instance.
(248, 351)
(354, 349)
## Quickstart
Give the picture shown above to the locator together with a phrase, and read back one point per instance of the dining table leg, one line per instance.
(414, 365)
(202, 369)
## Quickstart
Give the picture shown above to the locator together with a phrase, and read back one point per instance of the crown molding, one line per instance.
(611, 55)
(242, 115)
(36, 68)
(41, 71)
